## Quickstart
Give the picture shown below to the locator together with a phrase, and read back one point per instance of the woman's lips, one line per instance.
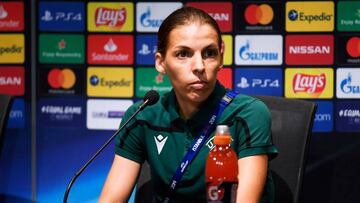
(198, 85)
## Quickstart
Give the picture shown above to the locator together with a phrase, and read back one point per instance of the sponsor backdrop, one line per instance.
(93, 59)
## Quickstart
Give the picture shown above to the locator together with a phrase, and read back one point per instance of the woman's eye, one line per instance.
(209, 53)
(182, 54)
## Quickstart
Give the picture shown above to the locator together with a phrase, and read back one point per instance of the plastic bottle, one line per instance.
(221, 169)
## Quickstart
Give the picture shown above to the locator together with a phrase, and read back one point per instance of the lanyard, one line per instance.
(199, 141)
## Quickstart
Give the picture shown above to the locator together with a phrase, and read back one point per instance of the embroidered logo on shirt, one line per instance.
(160, 142)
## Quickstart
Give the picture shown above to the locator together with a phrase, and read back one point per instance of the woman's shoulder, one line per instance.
(247, 101)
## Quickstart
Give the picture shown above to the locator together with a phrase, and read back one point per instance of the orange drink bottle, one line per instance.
(221, 169)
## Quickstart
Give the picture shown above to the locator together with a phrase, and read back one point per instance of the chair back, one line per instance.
(291, 127)
(5, 104)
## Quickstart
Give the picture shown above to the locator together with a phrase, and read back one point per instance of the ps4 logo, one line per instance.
(146, 20)
(257, 82)
(61, 16)
(145, 50)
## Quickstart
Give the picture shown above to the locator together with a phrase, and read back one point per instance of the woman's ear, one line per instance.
(159, 63)
(222, 50)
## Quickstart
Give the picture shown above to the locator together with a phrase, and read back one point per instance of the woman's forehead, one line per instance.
(192, 33)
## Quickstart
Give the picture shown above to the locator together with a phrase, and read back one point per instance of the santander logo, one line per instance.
(110, 17)
(312, 84)
(110, 46)
(3, 13)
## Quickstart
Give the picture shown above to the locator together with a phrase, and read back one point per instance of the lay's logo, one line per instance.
(111, 17)
(310, 16)
(309, 83)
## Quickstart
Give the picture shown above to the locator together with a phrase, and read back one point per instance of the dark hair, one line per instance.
(183, 16)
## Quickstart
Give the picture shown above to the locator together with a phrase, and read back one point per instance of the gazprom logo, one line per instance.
(346, 86)
(151, 14)
(348, 83)
(258, 50)
(147, 21)
(246, 54)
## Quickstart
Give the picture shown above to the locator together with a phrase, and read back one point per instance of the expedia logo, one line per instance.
(95, 80)
(11, 50)
(309, 83)
(259, 14)
(110, 82)
(294, 15)
(147, 21)
(310, 16)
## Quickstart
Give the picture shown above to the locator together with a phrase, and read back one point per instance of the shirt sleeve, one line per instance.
(129, 142)
(254, 128)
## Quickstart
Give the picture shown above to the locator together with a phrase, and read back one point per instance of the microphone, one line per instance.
(150, 98)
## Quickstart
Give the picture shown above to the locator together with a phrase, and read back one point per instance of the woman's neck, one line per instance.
(188, 108)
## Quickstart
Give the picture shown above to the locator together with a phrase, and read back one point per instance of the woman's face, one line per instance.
(192, 61)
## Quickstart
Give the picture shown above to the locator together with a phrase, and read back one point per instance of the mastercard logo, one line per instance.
(259, 14)
(61, 78)
(353, 47)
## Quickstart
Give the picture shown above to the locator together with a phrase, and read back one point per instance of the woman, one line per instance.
(190, 51)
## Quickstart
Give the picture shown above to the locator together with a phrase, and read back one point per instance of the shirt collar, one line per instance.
(201, 117)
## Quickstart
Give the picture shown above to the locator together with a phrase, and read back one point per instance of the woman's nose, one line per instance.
(198, 64)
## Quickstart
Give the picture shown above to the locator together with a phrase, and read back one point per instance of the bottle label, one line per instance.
(224, 192)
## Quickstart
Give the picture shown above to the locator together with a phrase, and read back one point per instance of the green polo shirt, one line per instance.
(159, 135)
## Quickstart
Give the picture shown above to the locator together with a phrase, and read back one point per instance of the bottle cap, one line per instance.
(222, 130)
(222, 136)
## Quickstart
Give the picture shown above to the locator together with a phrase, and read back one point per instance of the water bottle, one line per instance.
(221, 169)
